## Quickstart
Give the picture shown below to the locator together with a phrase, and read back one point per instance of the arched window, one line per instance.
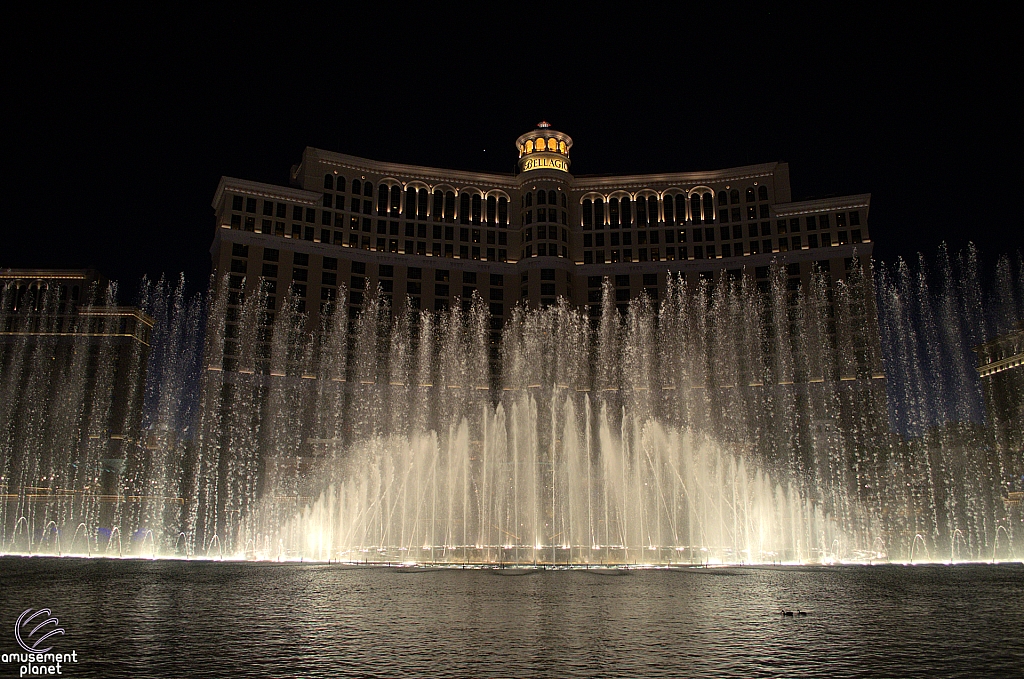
(492, 209)
(652, 210)
(529, 200)
(695, 208)
(626, 213)
(382, 199)
(438, 205)
(670, 213)
(368, 189)
(734, 196)
(613, 212)
(723, 198)
(396, 199)
(476, 208)
(641, 212)
(542, 198)
(503, 211)
(709, 207)
(424, 196)
(680, 208)
(410, 203)
(762, 192)
(750, 195)
(552, 200)
(464, 208)
(340, 181)
(599, 213)
(356, 186)
(563, 201)
(449, 206)
(329, 182)
(588, 214)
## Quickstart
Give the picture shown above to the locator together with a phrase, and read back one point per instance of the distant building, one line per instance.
(72, 377)
(438, 235)
(1001, 369)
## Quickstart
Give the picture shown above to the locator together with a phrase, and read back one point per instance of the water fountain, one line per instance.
(725, 424)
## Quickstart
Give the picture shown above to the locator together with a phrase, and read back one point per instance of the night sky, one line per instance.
(118, 128)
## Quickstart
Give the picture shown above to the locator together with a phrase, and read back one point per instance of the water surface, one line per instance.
(134, 618)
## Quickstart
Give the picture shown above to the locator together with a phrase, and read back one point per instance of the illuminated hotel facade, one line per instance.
(439, 236)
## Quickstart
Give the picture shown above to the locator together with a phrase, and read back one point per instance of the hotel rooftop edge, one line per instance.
(439, 235)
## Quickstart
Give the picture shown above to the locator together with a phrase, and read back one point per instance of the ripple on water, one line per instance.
(153, 618)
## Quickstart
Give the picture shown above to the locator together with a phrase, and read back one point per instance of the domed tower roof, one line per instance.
(544, 148)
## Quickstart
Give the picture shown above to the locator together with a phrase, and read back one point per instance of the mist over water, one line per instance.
(734, 420)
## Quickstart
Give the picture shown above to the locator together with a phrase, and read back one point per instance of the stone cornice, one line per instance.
(667, 179)
(804, 207)
(259, 189)
(428, 175)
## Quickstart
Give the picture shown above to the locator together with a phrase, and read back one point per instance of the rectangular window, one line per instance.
(250, 205)
(855, 218)
(270, 270)
(268, 208)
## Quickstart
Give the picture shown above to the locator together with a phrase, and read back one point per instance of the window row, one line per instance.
(546, 215)
(648, 211)
(417, 203)
(721, 250)
(549, 197)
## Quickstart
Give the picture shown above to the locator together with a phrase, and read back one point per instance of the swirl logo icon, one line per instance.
(45, 629)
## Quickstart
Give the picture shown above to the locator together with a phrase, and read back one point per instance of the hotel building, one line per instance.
(438, 236)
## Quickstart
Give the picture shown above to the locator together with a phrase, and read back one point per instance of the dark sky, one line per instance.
(119, 127)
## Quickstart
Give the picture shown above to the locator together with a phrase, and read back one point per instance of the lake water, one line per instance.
(209, 619)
